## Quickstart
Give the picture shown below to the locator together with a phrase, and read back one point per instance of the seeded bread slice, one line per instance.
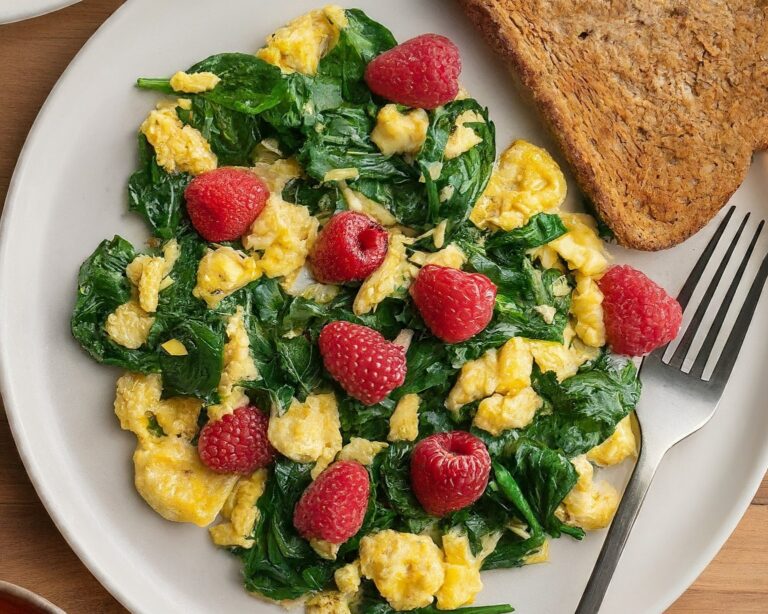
(658, 105)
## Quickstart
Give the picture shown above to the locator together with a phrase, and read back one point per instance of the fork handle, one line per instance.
(645, 468)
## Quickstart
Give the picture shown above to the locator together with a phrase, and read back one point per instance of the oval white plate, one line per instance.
(68, 193)
(19, 10)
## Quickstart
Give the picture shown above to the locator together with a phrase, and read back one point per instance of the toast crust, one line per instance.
(657, 105)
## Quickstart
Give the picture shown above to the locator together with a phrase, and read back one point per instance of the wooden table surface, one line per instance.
(33, 553)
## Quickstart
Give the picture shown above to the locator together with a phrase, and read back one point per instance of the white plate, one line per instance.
(19, 10)
(68, 193)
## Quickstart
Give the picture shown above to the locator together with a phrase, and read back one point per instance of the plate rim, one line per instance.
(37, 476)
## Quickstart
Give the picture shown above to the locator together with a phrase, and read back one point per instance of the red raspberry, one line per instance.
(223, 203)
(237, 443)
(639, 315)
(421, 72)
(449, 471)
(333, 506)
(454, 304)
(366, 365)
(350, 247)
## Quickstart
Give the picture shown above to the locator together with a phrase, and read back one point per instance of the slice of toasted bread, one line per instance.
(657, 104)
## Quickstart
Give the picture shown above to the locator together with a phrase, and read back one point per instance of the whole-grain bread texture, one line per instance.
(658, 105)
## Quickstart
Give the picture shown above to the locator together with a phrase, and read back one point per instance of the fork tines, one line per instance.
(695, 331)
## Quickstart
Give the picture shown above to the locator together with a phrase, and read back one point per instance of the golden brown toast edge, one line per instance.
(631, 227)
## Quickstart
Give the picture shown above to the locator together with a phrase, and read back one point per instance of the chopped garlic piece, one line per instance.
(174, 347)
(341, 174)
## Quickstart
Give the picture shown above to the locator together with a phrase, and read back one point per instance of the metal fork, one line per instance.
(675, 404)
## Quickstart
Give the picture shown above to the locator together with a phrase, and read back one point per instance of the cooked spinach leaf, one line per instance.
(248, 84)
(586, 407)
(395, 477)
(198, 372)
(155, 194)
(231, 134)
(545, 477)
(368, 421)
(540, 230)
(453, 185)
(342, 140)
(101, 288)
(322, 199)
(522, 288)
(361, 41)
(372, 603)
(301, 362)
(281, 564)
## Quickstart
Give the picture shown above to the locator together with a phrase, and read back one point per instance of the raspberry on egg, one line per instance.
(333, 507)
(237, 442)
(366, 365)
(639, 314)
(350, 247)
(223, 203)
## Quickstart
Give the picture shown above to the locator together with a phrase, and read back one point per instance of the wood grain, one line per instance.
(34, 554)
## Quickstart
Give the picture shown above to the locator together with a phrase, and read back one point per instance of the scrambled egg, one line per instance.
(463, 138)
(400, 133)
(348, 578)
(150, 274)
(581, 247)
(285, 233)
(540, 556)
(587, 309)
(618, 447)
(178, 416)
(526, 182)
(308, 432)
(478, 379)
(223, 271)
(327, 602)
(362, 204)
(451, 257)
(301, 44)
(394, 274)
(277, 173)
(129, 325)
(549, 259)
(590, 505)
(238, 367)
(462, 569)
(407, 569)
(499, 413)
(361, 450)
(404, 421)
(301, 283)
(564, 359)
(240, 512)
(515, 365)
(169, 474)
(194, 83)
(178, 148)
(506, 371)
